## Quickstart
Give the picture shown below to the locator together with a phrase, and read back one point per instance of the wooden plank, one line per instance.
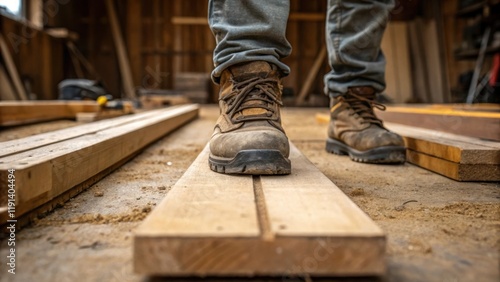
(475, 124)
(215, 224)
(43, 139)
(121, 52)
(451, 147)
(44, 173)
(23, 112)
(458, 157)
(456, 171)
(12, 69)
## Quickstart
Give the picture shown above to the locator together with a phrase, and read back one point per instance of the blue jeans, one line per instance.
(254, 30)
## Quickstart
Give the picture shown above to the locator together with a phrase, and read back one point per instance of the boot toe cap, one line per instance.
(227, 145)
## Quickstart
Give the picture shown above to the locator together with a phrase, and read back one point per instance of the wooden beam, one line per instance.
(47, 172)
(7, 92)
(479, 124)
(12, 69)
(24, 112)
(35, 13)
(216, 224)
(456, 171)
(451, 147)
(458, 157)
(121, 52)
(311, 76)
(36, 141)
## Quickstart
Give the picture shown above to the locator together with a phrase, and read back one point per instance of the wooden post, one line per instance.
(121, 52)
(12, 70)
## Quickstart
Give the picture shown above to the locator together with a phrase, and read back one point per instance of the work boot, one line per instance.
(354, 129)
(248, 137)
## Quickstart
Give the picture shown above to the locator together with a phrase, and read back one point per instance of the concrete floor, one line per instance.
(451, 233)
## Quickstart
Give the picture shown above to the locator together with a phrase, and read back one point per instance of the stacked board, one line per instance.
(458, 157)
(232, 225)
(55, 166)
(479, 121)
(455, 156)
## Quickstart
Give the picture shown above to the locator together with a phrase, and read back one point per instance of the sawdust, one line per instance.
(136, 215)
(357, 192)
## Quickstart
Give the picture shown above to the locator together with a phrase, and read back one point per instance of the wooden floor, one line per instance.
(216, 224)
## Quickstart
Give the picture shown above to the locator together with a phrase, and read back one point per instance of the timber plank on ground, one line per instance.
(24, 112)
(456, 171)
(223, 225)
(451, 147)
(46, 172)
(458, 157)
(474, 123)
(43, 139)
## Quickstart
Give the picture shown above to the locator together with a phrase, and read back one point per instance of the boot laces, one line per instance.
(245, 92)
(363, 106)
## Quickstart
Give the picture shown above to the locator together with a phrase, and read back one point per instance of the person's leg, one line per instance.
(248, 31)
(354, 34)
(248, 137)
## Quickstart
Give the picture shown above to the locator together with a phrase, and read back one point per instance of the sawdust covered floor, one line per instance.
(448, 232)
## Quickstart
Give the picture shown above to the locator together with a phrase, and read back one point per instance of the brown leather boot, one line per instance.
(354, 130)
(248, 137)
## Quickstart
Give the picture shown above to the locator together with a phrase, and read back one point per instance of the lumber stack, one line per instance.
(479, 121)
(226, 225)
(55, 166)
(455, 156)
(24, 112)
(458, 157)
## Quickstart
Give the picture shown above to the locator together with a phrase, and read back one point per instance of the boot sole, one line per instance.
(380, 155)
(254, 162)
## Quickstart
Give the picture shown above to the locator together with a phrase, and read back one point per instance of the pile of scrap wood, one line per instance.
(48, 167)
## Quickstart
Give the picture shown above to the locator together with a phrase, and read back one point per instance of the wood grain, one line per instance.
(222, 225)
(23, 112)
(456, 171)
(12, 69)
(451, 147)
(49, 171)
(474, 124)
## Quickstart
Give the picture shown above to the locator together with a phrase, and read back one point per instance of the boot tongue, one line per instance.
(369, 94)
(249, 70)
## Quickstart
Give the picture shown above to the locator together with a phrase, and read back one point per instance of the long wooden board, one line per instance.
(46, 172)
(223, 225)
(24, 112)
(458, 157)
(451, 147)
(456, 171)
(477, 124)
(31, 142)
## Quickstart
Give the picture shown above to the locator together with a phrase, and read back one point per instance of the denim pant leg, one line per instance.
(354, 32)
(249, 30)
